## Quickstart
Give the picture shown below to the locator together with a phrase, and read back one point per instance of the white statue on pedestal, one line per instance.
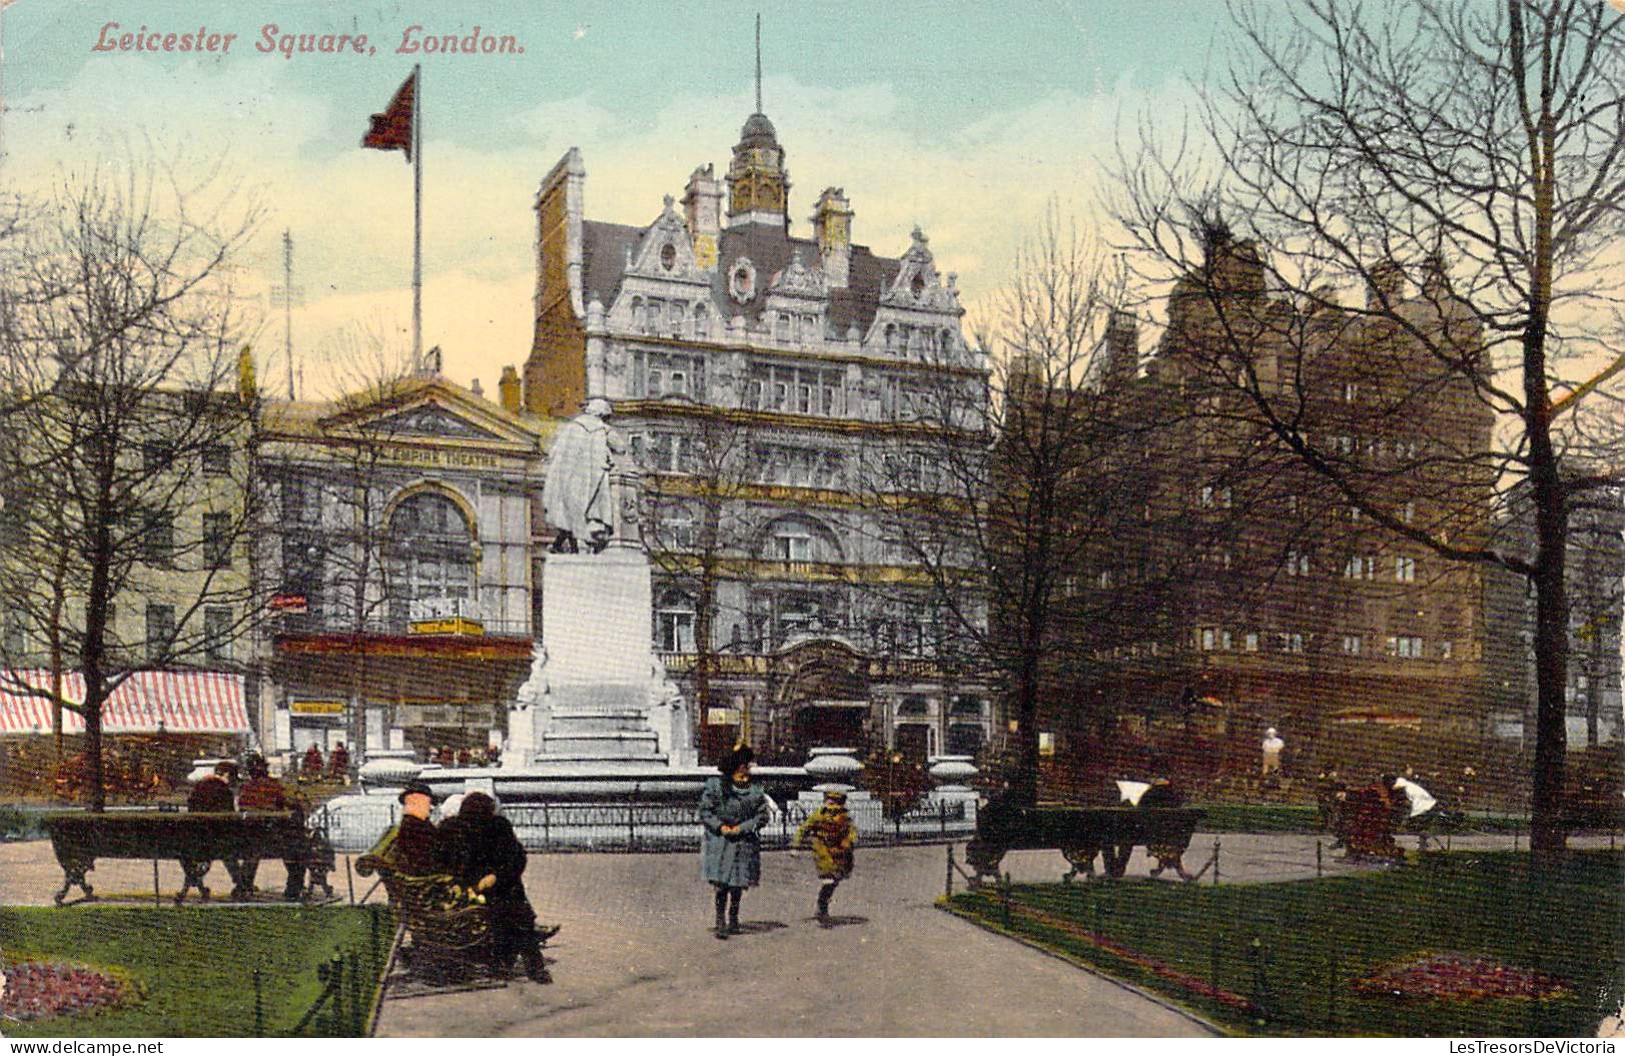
(578, 496)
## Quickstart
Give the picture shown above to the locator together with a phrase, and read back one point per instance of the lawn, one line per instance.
(1284, 959)
(192, 966)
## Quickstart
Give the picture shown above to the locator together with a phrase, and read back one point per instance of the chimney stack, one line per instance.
(832, 230)
(508, 390)
(702, 208)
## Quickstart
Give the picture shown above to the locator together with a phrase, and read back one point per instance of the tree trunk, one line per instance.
(1547, 838)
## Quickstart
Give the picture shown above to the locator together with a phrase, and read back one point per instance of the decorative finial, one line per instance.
(669, 202)
(758, 62)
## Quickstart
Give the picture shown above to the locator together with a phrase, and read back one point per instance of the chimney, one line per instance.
(1386, 285)
(1122, 350)
(832, 230)
(474, 387)
(702, 208)
(508, 390)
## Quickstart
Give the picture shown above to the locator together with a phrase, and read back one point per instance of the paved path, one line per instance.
(636, 956)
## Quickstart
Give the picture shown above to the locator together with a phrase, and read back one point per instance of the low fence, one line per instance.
(633, 826)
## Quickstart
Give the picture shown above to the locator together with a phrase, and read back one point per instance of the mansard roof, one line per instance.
(607, 247)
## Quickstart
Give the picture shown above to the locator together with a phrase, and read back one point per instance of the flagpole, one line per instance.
(417, 218)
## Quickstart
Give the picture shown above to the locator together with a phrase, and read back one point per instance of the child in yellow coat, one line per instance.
(832, 835)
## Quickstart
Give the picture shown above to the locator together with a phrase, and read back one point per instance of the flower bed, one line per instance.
(40, 990)
(1457, 977)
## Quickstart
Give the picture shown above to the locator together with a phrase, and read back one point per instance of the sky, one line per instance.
(967, 119)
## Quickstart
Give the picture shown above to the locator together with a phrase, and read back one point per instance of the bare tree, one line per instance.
(125, 466)
(1001, 488)
(1464, 164)
(698, 480)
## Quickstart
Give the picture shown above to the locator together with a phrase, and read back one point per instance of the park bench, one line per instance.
(1079, 833)
(449, 935)
(194, 840)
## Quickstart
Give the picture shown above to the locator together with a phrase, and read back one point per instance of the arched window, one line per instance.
(917, 707)
(891, 338)
(430, 559)
(798, 538)
(637, 313)
(702, 321)
(781, 327)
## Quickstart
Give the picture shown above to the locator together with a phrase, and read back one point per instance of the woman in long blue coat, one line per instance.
(732, 811)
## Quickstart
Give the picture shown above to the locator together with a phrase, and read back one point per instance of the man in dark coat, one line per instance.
(416, 846)
(262, 792)
(212, 795)
(480, 849)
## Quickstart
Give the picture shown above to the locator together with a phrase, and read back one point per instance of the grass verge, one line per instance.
(1283, 959)
(193, 966)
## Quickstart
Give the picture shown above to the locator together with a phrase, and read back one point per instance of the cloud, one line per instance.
(977, 189)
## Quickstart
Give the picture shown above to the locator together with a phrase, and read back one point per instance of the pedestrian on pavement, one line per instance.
(483, 854)
(311, 768)
(338, 765)
(833, 835)
(1271, 747)
(732, 812)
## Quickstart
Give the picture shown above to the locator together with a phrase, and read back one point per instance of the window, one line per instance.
(217, 540)
(1351, 644)
(1351, 392)
(781, 327)
(1446, 648)
(1210, 638)
(1297, 564)
(216, 460)
(674, 318)
(1225, 641)
(13, 636)
(792, 542)
(1405, 647)
(1207, 496)
(1405, 569)
(1359, 567)
(217, 623)
(674, 623)
(158, 538)
(1046, 740)
(155, 458)
(1103, 580)
(1291, 642)
(702, 321)
(431, 560)
(1407, 512)
(160, 631)
(1250, 641)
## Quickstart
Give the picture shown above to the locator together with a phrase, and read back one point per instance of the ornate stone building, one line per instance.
(1294, 608)
(399, 547)
(755, 373)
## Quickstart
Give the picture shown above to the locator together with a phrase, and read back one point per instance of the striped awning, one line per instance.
(181, 701)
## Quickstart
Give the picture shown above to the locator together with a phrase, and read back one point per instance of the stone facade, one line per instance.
(755, 373)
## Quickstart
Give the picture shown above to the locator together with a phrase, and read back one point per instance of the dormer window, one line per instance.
(668, 256)
(918, 285)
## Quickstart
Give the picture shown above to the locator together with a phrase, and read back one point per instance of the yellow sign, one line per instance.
(318, 707)
(453, 625)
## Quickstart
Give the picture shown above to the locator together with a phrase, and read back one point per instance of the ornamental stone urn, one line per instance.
(951, 772)
(833, 768)
(389, 768)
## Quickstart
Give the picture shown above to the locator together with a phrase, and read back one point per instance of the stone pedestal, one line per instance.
(597, 694)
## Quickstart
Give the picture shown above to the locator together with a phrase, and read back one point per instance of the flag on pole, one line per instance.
(392, 129)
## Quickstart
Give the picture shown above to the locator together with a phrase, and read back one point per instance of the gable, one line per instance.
(428, 420)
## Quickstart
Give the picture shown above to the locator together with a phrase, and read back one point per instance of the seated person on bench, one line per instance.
(480, 850)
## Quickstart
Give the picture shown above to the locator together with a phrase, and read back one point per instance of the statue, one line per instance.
(576, 498)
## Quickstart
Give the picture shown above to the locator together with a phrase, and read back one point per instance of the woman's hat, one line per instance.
(734, 760)
(836, 794)
(415, 788)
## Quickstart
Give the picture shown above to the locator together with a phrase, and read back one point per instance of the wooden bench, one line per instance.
(194, 840)
(1079, 833)
(449, 935)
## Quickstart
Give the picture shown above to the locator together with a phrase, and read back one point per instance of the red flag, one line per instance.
(392, 129)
